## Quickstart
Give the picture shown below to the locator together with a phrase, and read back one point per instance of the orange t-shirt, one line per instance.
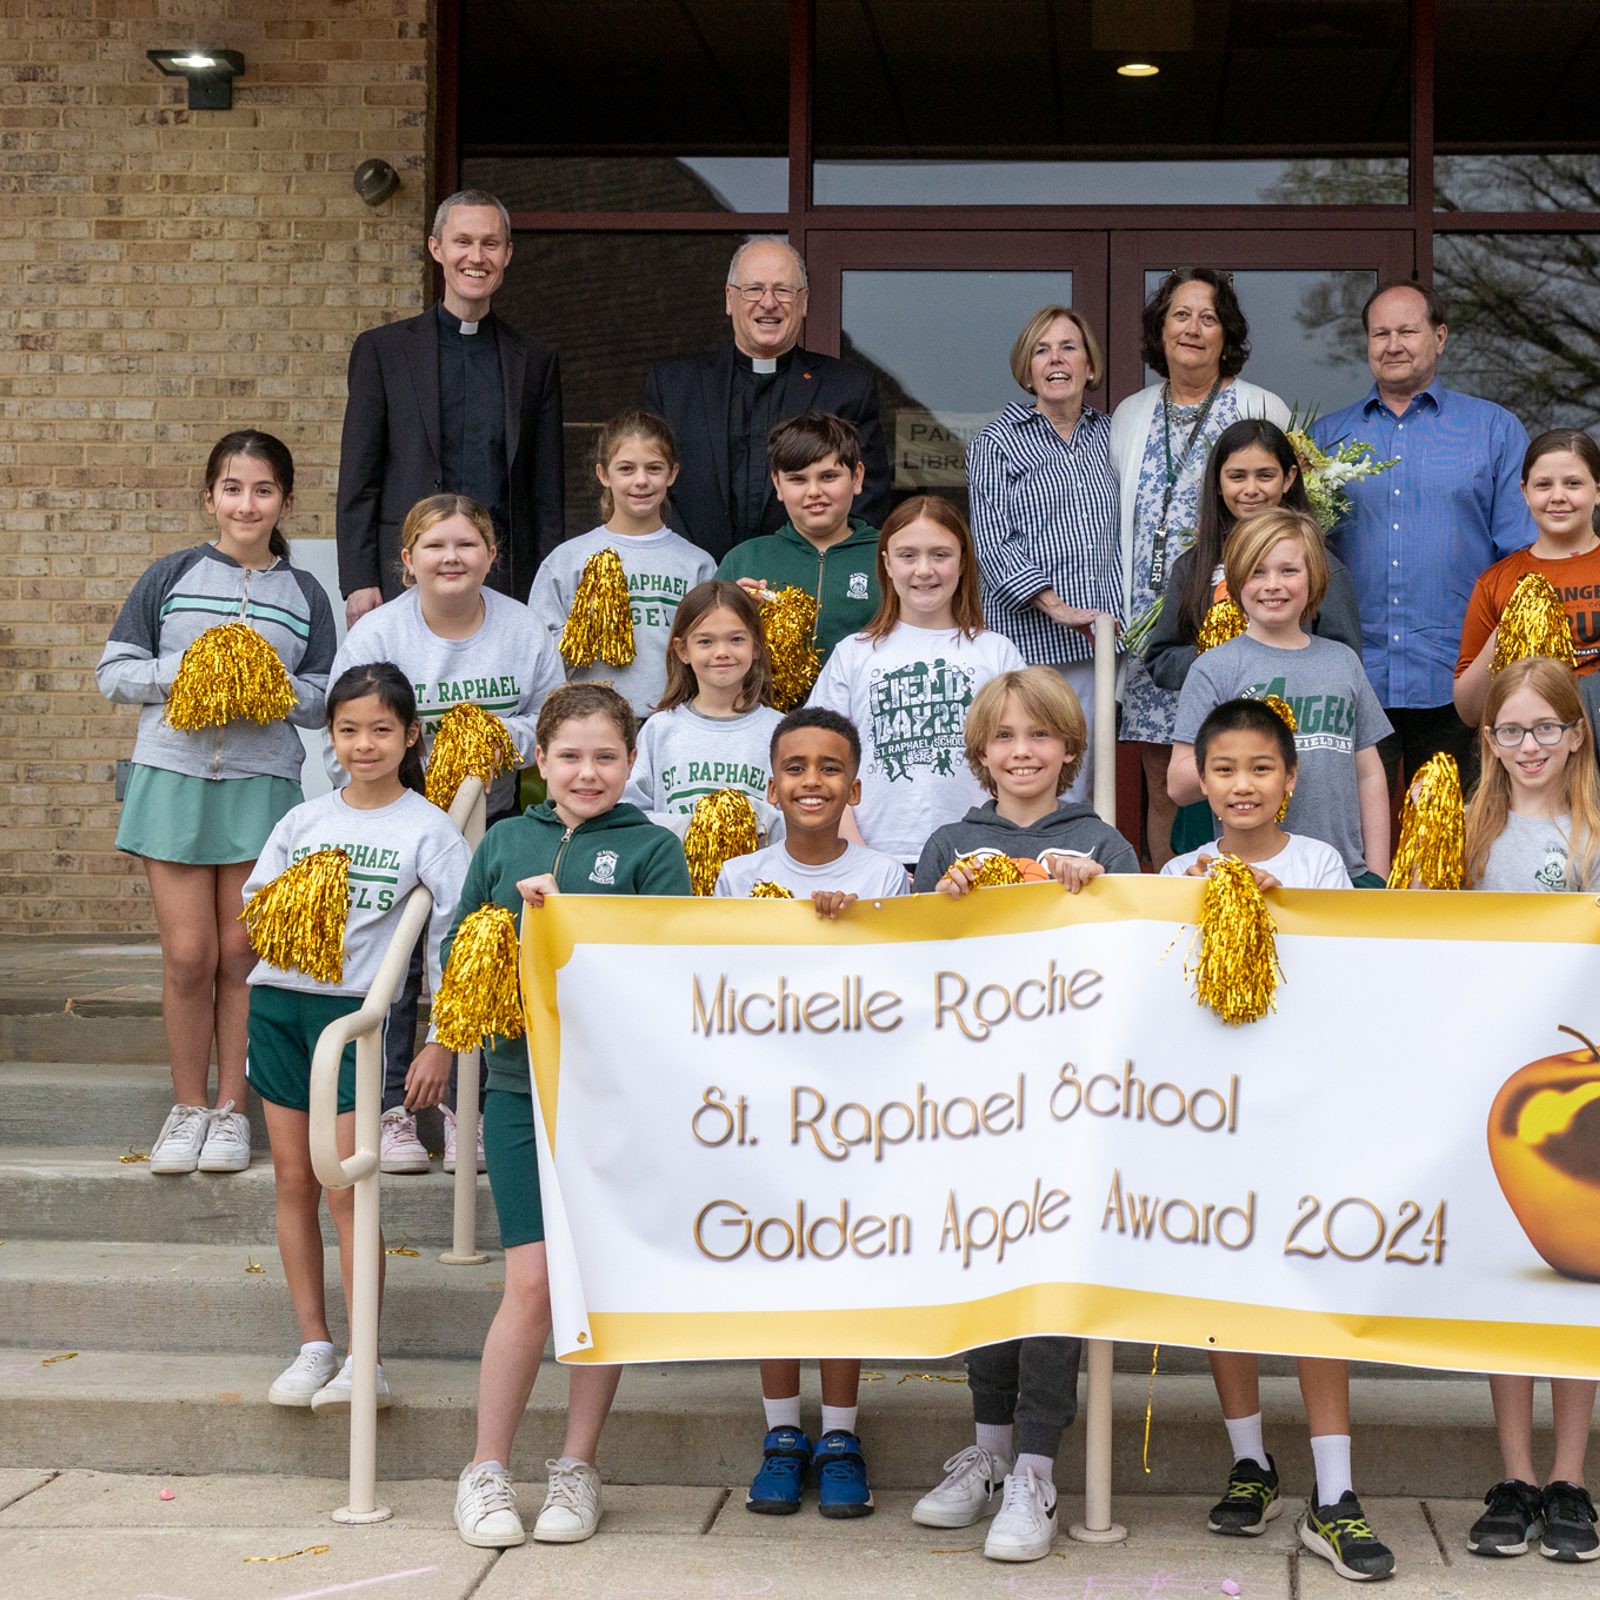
(1575, 578)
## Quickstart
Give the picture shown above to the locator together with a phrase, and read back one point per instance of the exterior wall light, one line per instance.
(210, 74)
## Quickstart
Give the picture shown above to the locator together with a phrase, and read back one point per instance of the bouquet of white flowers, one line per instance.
(1326, 474)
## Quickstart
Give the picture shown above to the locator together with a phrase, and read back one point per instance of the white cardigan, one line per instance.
(1130, 429)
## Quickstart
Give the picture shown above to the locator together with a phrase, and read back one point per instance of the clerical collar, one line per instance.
(454, 324)
(762, 366)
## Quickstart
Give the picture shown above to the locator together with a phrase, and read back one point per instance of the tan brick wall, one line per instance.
(166, 275)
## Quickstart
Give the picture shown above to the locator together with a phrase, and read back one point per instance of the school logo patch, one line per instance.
(1553, 874)
(858, 586)
(605, 867)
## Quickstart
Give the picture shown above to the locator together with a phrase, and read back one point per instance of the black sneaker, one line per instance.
(1514, 1517)
(1341, 1534)
(1569, 1524)
(1251, 1501)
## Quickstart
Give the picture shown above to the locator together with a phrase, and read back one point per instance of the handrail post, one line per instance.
(464, 1251)
(1097, 1526)
(363, 1504)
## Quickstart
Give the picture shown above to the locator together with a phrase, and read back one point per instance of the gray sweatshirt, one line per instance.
(1072, 827)
(684, 756)
(508, 667)
(392, 850)
(662, 568)
(180, 597)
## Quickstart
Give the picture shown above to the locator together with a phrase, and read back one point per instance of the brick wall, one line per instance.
(166, 275)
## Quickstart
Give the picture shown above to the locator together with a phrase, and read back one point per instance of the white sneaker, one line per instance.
(571, 1504)
(970, 1489)
(334, 1395)
(182, 1135)
(399, 1148)
(485, 1513)
(227, 1146)
(450, 1141)
(301, 1379)
(1026, 1526)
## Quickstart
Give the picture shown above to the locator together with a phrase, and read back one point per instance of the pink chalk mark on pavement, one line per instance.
(332, 1588)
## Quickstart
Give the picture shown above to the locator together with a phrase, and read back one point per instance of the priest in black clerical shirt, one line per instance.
(721, 406)
(454, 401)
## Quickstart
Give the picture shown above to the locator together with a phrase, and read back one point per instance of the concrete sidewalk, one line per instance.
(92, 1535)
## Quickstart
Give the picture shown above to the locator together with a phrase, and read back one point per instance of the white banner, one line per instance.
(932, 1125)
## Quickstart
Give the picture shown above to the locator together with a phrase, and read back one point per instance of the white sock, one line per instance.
(574, 1461)
(782, 1413)
(1043, 1468)
(835, 1419)
(487, 1466)
(316, 1347)
(1244, 1435)
(1331, 1453)
(995, 1437)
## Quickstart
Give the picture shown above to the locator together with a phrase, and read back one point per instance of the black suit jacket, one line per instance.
(693, 395)
(390, 452)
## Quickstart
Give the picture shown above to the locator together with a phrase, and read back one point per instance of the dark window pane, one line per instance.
(935, 394)
(613, 304)
(1524, 316)
(1020, 101)
(627, 105)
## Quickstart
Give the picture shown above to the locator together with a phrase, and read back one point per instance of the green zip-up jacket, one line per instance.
(844, 577)
(621, 852)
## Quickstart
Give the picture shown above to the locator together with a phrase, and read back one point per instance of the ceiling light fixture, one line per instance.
(210, 74)
(1137, 69)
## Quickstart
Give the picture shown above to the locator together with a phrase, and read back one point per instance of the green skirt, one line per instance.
(201, 822)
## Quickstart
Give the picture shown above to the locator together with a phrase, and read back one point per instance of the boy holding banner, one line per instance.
(1245, 754)
(816, 754)
(1025, 735)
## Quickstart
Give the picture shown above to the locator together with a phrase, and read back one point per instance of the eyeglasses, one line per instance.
(1509, 735)
(754, 293)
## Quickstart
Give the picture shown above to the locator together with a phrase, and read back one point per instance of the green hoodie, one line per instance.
(844, 577)
(619, 852)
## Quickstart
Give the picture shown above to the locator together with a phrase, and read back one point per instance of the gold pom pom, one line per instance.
(768, 890)
(298, 919)
(789, 620)
(470, 743)
(988, 871)
(600, 627)
(1433, 843)
(1236, 971)
(1224, 621)
(229, 672)
(1533, 623)
(723, 826)
(1283, 710)
(478, 994)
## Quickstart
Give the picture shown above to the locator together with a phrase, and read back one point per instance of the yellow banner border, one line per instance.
(931, 1332)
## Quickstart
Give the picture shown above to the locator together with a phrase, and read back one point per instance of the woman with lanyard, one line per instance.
(1196, 337)
(1044, 510)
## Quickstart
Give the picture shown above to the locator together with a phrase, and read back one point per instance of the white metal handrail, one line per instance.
(360, 1168)
(1097, 1526)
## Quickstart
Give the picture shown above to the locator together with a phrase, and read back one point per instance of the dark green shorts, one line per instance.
(285, 1025)
(1369, 880)
(513, 1157)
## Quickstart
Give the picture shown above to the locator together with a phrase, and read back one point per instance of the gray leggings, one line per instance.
(1031, 1383)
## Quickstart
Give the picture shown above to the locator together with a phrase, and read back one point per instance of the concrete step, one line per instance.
(181, 1298)
(127, 1031)
(77, 1193)
(690, 1424)
(118, 1106)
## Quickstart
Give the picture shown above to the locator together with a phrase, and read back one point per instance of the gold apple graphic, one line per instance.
(1544, 1141)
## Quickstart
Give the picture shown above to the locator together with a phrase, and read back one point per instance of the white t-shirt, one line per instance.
(858, 871)
(908, 696)
(1303, 863)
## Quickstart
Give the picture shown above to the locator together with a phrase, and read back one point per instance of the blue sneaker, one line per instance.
(785, 1456)
(841, 1476)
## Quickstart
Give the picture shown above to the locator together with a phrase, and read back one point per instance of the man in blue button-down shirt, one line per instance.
(1419, 534)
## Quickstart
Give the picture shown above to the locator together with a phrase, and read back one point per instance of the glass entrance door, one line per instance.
(934, 317)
